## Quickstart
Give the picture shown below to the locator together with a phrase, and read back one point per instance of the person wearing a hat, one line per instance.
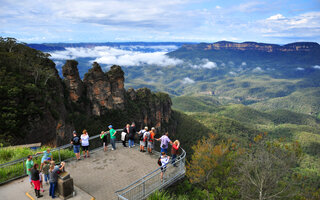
(112, 137)
(143, 138)
(75, 141)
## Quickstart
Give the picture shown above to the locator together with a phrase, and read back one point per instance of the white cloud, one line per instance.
(204, 64)
(303, 25)
(316, 67)
(187, 80)
(108, 55)
(209, 65)
(276, 17)
(243, 64)
(257, 69)
(233, 73)
(299, 69)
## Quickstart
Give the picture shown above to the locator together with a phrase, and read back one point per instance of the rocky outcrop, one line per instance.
(72, 80)
(105, 91)
(154, 108)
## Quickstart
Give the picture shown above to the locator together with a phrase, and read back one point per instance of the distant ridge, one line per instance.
(245, 46)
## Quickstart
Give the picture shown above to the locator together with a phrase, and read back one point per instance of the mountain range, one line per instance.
(264, 76)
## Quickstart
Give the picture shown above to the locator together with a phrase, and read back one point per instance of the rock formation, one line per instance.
(105, 92)
(72, 80)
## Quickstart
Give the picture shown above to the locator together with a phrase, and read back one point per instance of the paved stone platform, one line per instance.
(98, 176)
(106, 172)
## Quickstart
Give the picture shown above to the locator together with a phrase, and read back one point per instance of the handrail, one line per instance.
(21, 172)
(150, 175)
(51, 150)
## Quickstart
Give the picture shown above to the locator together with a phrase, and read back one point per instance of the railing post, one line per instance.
(24, 167)
(59, 155)
(144, 189)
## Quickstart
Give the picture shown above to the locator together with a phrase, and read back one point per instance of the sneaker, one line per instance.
(112, 149)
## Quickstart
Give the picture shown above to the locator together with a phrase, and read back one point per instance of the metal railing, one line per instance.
(148, 184)
(16, 169)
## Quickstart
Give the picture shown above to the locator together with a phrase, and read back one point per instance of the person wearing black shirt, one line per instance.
(35, 178)
(76, 144)
(131, 131)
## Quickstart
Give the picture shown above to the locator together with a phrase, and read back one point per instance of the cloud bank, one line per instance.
(114, 56)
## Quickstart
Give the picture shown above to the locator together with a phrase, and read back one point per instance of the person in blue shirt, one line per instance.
(46, 155)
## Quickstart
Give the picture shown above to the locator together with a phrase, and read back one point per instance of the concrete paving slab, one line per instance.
(106, 172)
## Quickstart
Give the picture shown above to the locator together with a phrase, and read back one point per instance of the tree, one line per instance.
(266, 170)
(211, 167)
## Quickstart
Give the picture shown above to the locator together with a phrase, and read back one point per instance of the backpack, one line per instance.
(148, 136)
(141, 134)
(159, 161)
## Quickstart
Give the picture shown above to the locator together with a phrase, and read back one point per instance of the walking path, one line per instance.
(99, 176)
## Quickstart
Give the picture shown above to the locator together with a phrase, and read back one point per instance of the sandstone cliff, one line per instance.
(254, 46)
(105, 97)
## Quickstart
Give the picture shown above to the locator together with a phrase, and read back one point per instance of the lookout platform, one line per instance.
(125, 173)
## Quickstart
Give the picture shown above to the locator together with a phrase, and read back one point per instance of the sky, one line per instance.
(275, 21)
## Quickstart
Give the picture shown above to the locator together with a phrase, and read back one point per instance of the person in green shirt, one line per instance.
(112, 137)
(103, 136)
(29, 165)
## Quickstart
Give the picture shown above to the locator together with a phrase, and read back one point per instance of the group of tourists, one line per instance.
(48, 169)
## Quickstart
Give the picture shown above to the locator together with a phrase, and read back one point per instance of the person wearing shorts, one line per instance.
(75, 141)
(151, 140)
(164, 142)
(85, 143)
(142, 137)
(164, 161)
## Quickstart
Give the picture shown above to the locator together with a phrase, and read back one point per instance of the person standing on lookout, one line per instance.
(35, 177)
(164, 142)
(29, 166)
(85, 143)
(75, 141)
(46, 155)
(134, 131)
(103, 136)
(112, 137)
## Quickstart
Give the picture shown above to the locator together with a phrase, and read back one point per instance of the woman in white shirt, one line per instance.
(85, 143)
(164, 161)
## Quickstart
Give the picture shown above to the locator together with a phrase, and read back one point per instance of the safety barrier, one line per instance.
(16, 169)
(148, 184)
